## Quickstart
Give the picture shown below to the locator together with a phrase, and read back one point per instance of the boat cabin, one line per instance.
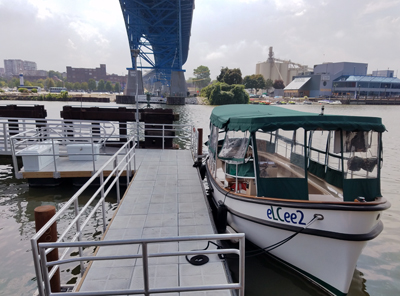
(273, 152)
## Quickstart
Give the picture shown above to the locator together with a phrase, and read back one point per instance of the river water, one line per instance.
(378, 268)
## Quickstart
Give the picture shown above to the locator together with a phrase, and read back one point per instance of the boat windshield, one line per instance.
(235, 147)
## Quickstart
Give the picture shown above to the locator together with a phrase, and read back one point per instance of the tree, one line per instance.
(92, 84)
(69, 85)
(230, 76)
(77, 86)
(59, 83)
(202, 76)
(108, 86)
(49, 83)
(278, 84)
(221, 93)
(101, 85)
(249, 82)
(269, 83)
(117, 88)
(84, 86)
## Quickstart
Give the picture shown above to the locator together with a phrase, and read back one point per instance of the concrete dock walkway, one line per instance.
(165, 199)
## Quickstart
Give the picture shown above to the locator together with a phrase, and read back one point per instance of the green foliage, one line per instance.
(49, 83)
(63, 95)
(34, 90)
(1, 90)
(222, 94)
(23, 90)
(269, 83)
(92, 84)
(59, 83)
(101, 85)
(202, 76)
(278, 84)
(255, 81)
(117, 88)
(69, 85)
(84, 86)
(230, 76)
(108, 86)
(57, 74)
(3, 83)
(77, 86)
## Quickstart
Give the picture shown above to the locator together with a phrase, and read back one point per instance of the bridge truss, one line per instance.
(160, 30)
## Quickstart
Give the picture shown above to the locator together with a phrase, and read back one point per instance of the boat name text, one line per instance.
(277, 214)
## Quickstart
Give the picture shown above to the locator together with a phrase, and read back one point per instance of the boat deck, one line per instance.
(165, 199)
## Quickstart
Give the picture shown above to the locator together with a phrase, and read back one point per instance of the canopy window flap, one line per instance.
(213, 140)
(235, 147)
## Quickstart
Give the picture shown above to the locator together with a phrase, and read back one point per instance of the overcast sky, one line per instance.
(225, 33)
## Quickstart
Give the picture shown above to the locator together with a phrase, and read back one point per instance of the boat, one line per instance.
(302, 186)
(330, 102)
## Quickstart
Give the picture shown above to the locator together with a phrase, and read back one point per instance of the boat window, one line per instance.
(235, 147)
(318, 142)
(281, 154)
(213, 140)
(360, 151)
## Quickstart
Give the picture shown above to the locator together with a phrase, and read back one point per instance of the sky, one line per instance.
(225, 33)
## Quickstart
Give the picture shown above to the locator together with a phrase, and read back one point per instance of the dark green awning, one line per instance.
(269, 118)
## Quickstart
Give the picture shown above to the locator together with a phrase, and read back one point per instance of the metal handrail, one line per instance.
(129, 154)
(43, 247)
(75, 127)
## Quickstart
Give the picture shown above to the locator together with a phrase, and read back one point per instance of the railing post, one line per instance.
(145, 269)
(103, 206)
(117, 181)
(78, 230)
(42, 215)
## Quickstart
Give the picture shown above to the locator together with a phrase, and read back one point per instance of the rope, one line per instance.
(200, 260)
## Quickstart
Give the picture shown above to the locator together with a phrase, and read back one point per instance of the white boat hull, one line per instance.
(326, 252)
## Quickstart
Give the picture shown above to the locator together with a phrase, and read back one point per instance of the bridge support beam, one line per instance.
(178, 84)
(130, 89)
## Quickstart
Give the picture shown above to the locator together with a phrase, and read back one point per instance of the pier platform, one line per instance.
(165, 199)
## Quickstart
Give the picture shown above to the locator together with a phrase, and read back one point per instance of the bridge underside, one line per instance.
(160, 30)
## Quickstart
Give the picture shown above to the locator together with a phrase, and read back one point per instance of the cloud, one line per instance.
(377, 6)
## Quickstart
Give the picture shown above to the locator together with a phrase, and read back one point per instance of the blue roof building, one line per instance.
(344, 79)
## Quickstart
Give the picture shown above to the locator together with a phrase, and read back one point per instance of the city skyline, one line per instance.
(225, 33)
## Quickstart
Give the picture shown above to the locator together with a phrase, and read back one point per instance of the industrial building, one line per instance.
(85, 74)
(344, 79)
(277, 69)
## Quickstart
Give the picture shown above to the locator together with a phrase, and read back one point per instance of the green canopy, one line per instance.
(269, 118)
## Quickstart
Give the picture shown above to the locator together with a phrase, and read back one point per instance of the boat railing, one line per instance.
(75, 218)
(45, 248)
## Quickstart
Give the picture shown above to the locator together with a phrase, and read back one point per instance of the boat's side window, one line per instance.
(360, 151)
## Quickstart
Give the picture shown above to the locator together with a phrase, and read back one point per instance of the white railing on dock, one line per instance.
(122, 161)
(45, 248)
(80, 128)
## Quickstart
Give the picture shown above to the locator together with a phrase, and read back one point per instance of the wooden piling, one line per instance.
(42, 215)
(200, 143)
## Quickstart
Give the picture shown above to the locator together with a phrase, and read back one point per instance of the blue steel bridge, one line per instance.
(160, 30)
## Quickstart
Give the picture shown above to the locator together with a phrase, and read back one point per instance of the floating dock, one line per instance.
(165, 199)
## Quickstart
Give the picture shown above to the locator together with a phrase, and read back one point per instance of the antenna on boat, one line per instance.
(322, 110)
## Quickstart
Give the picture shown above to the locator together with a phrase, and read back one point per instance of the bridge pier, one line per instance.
(130, 89)
(178, 84)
